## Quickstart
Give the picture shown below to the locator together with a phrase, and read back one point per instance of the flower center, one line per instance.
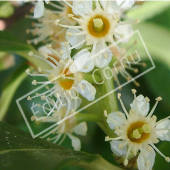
(67, 83)
(98, 26)
(64, 82)
(139, 132)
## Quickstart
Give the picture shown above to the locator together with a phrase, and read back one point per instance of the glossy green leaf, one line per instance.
(148, 10)
(10, 43)
(10, 87)
(19, 151)
(157, 41)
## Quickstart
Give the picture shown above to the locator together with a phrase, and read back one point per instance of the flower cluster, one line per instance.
(80, 34)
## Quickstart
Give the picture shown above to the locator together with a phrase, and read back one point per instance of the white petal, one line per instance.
(47, 1)
(66, 49)
(81, 62)
(114, 117)
(39, 9)
(127, 4)
(43, 49)
(164, 134)
(116, 150)
(80, 6)
(75, 101)
(81, 129)
(75, 142)
(142, 106)
(74, 39)
(146, 159)
(112, 6)
(103, 59)
(87, 90)
(125, 32)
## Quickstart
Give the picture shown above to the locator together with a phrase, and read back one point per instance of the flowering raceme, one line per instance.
(137, 131)
(84, 35)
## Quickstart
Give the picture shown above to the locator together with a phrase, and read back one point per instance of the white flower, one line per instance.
(96, 27)
(125, 4)
(65, 83)
(64, 127)
(138, 131)
(39, 8)
(46, 27)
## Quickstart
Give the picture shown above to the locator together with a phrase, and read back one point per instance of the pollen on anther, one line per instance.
(43, 97)
(28, 71)
(39, 69)
(167, 159)
(134, 91)
(34, 82)
(30, 53)
(126, 162)
(32, 118)
(106, 138)
(119, 95)
(158, 99)
(105, 113)
(70, 15)
(29, 98)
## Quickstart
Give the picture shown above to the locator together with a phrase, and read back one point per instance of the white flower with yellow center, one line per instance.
(65, 83)
(138, 131)
(66, 128)
(96, 27)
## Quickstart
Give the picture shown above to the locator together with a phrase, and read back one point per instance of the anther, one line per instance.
(158, 99)
(27, 71)
(29, 98)
(126, 162)
(167, 159)
(32, 118)
(119, 95)
(107, 138)
(34, 82)
(43, 97)
(134, 91)
(39, 69)
(30, 53)
(57, 21)
(70, 15)
(105, 113)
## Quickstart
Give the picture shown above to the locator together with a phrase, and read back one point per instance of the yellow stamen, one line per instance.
(136, 134)
(146, 128)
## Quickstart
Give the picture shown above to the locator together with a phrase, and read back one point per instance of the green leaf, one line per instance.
(11, 85)
(10, 43)
(160, 163)
(148, 10)
(19, 151)
(157, 40)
